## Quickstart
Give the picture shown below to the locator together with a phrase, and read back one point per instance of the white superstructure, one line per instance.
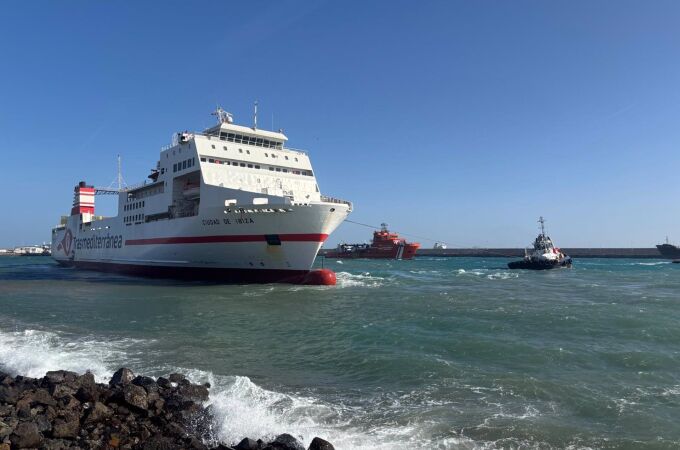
(231, 203)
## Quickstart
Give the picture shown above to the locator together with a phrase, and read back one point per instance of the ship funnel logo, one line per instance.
(66, 243)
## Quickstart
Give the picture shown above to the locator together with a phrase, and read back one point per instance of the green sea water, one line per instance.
(424, 354)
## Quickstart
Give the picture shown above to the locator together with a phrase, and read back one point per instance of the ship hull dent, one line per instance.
(219, 275)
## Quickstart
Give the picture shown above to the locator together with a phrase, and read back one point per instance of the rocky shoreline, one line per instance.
(65, 410)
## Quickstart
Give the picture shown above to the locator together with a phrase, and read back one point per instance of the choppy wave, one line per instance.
(346, 279)
(654, 263)
(33, 352)
(488, 274)
(242, 407)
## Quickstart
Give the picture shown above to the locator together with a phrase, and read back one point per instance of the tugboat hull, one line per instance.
(540, 265)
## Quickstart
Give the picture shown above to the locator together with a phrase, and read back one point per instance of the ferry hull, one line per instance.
(227, 248)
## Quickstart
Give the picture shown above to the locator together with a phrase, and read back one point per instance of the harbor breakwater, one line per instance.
(65, 410)
(638, 253)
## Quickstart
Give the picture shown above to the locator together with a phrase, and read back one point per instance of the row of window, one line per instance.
(187, 163)
(241, 139)
(240, 150)
(256, 166)
(133, 218)
(158, 188)
(135, 205)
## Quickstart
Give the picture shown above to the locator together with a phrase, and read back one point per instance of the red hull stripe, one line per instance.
(227, 238)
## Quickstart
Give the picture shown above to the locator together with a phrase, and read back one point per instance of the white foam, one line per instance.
(346, 279)
(656, 263)
(33, 353)
(243, 408)
(502, 275)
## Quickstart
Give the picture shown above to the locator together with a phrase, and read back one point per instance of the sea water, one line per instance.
(424, 354)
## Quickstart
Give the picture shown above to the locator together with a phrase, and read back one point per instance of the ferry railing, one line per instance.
(338, 201)
(211, 136)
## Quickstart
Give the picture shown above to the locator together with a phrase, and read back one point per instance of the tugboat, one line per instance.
(544, 255)
(385, 245)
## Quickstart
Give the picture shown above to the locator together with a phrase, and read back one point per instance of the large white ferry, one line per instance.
(232, 204)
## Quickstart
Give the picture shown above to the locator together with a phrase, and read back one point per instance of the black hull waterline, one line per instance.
(217, 275)
(540, 265)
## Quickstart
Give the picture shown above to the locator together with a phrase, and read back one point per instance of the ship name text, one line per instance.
(232, 221)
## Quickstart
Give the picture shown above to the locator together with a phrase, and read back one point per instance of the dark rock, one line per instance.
(98, 412)
(135, 396)
(286, 442)
(148, 383)
(56, 444)
(65, 410)
(176, 377)
(41, 397)
(88, 393)
(5, 430)
(122, 376)
(195, 443)
(176, 429)
(24, 410)
(159, 442)
(163, 382)
(60, 376)
(194, 392)
(247, 444)
(65, 429)
(61, 390)
(178, 403)
(8, 394)
(43, 423)
(5, 379)
(26, 435)
(320, 444)
(68, 402)
(86, 379)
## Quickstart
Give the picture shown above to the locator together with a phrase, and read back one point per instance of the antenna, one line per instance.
(120, 175)
(542, 222)
(255, 117)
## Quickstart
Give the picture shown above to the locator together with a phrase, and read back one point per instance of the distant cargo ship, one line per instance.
(669, 250)
(231, 203)
(385, 245)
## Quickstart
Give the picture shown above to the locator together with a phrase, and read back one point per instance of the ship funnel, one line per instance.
(83, 199)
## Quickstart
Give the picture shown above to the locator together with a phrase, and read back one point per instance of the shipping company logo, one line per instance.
(98, 242)
(66, 243)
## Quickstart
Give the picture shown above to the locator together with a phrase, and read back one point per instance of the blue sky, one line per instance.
(457, 121)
